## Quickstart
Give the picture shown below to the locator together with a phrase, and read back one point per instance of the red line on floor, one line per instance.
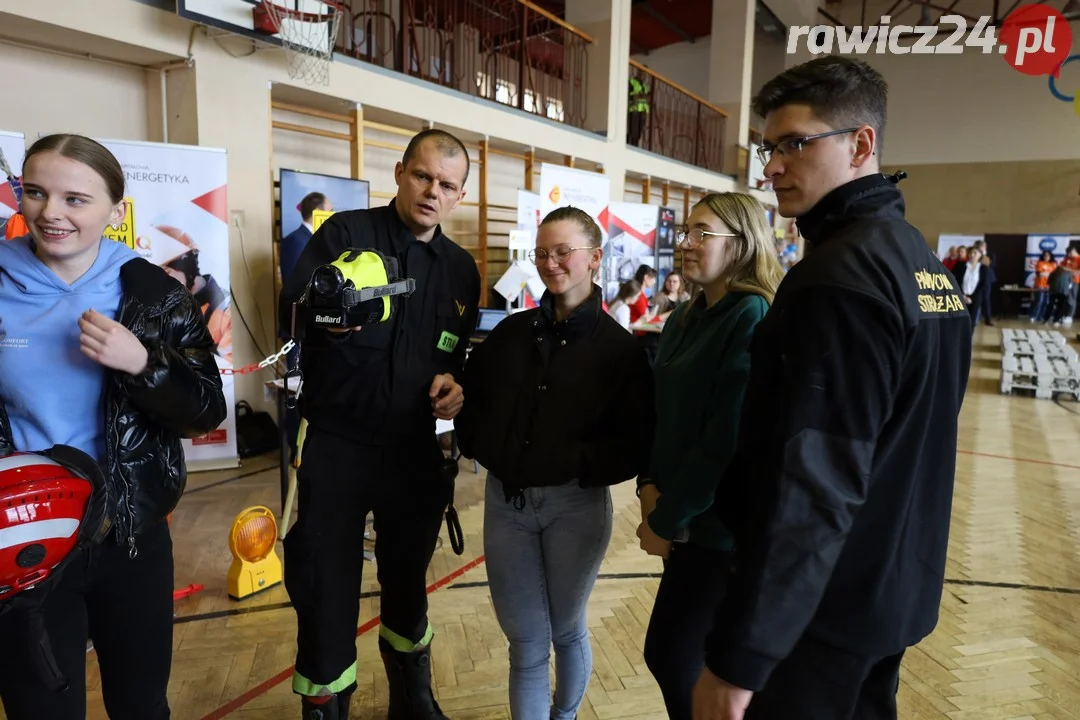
(1018, 459)
(264, 686)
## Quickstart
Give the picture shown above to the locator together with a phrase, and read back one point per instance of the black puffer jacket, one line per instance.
(547, 403)
(178, 395)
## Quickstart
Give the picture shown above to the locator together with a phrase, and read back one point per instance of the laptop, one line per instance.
(487, 320)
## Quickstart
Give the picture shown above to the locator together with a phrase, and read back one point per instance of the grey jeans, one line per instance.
(542, 561)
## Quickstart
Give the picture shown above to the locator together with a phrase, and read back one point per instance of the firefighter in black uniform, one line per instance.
(370, 397)
(839, 496)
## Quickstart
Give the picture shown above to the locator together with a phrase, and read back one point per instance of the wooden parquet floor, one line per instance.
(1007, 646)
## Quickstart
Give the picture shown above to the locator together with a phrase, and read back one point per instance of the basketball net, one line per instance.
(308, 37)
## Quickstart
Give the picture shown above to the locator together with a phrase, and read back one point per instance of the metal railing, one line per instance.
(507, 51)
(678, 125)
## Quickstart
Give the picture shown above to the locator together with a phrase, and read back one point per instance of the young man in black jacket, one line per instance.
(370, 396)
(840, 493)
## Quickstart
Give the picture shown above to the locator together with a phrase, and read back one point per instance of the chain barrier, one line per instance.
(265, 363)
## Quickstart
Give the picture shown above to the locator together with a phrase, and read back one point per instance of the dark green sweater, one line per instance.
(701, 370)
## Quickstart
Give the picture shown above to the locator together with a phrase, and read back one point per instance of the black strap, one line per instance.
(453, 529)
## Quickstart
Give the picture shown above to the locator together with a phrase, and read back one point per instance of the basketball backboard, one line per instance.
(238, 16)
(307, 29)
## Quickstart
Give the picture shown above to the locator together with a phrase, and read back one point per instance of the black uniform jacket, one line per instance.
(372, 385)
(547, 403)
(841, 490)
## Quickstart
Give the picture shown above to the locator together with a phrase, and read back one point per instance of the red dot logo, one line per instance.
(1035, 39)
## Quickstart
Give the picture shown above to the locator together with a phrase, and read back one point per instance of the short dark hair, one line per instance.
(843, 92)
(447, 144)
(581, 218)
(88, 152)
(644, 271)
(311, 203)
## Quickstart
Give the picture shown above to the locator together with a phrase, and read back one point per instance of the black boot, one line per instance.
(409, 676)
(325, 711)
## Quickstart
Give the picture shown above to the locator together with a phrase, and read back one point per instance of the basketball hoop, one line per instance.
(308, 31)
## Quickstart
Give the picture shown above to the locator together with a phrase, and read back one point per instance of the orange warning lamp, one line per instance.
(255, 566)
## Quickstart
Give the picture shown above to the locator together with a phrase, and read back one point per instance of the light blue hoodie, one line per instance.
(52, 392)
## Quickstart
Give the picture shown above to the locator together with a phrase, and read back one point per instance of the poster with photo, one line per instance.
(665, 265)
(561, 186)
(1057, 245)
(340, 193)
(632, 239)
(665, 232)
(12, 150)
(177, 217)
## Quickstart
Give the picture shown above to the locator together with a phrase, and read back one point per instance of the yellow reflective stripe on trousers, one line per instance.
(303, 686)
(403, 644)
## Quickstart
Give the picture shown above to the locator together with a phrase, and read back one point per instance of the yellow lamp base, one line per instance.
(249, 578)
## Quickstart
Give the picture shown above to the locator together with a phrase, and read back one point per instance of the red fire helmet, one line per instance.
(45, 502)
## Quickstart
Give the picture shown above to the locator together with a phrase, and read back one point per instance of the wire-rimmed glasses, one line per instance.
(794, 144)
(691, 239)
(561, 254)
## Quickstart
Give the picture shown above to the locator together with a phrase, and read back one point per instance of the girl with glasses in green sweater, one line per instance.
(700, 373)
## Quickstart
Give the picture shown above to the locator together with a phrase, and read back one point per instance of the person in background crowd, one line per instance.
(1072, 262)
(293, 244)
(989, 281)
(371, 397)
(619, 308)
(952, 257)
(1064, 282)
(646, 278)
(700, 374)
(838, 496)
(673, 294)
(973, 278)
(119, 388)
(1040, 298)
(560, 408)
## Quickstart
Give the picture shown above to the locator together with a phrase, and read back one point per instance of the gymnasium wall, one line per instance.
(224, 101)
(111, 99)
(987, 149)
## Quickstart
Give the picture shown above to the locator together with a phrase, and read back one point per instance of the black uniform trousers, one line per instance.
(820, 682)
(125, 606)
(338, 483)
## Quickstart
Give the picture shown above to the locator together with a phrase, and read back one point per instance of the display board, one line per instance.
(178, 219)
(632, 242)
(343, 194)
(1037, 245)
(561, 186)
(12, 151)
(528, 211)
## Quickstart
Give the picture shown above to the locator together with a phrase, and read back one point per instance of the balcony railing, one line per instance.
(507, 51)
(679, 124)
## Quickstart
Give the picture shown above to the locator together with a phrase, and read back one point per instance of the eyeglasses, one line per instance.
(691, 239)
(794, 144)
(561, 254)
